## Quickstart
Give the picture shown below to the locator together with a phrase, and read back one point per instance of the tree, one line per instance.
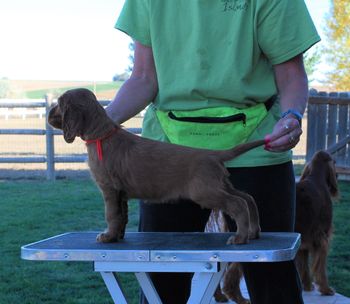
(338, 49)
(125, 75)
(311, 61)
(4, 88)
(131, 56)
(9, 90)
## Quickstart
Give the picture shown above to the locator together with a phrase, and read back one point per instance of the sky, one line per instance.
(74, 39)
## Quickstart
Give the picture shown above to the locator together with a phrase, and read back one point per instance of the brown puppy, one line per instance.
(128, 166)
(315, 190)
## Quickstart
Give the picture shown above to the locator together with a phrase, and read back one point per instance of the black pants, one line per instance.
(273, 188)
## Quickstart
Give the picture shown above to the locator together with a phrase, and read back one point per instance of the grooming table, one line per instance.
(205, 254)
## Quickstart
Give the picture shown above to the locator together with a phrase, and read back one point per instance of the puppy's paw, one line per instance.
(240, 300)
(106, 237)
(121, 235)
(327, 291)
(219, 296)
(253, 235)
(237, 239)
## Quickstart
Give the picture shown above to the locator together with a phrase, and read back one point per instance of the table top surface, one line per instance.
(163, 247)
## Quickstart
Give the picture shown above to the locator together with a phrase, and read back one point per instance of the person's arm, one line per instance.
(139, 90)
(292, 85)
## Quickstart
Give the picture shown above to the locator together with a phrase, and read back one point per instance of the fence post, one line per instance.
(50, 149)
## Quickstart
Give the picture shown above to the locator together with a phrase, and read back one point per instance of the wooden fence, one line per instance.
(328, 128)
(50, 158)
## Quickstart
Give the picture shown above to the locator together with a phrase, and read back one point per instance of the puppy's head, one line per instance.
(322, 160)
(74, 113)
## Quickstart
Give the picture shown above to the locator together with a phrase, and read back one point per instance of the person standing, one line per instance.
(218, 60)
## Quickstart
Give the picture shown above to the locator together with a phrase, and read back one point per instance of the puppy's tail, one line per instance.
(226, 155)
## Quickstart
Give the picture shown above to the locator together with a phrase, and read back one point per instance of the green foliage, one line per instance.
(8, 90)
(131, 56)
(338, 50)
(4, 88)
(311, 60)
(121, 77)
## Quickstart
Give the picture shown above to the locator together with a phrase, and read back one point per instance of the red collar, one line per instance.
(98, 143)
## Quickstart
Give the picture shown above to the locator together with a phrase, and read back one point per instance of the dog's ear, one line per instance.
(72, 118)
(332, 179)
(306, 171)
(55, 117)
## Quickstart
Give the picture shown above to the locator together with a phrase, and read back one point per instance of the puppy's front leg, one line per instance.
(116, 215)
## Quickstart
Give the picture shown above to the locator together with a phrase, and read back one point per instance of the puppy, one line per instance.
(126, 166)
(314, 193)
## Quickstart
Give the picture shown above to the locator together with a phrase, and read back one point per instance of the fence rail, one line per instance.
(328, 128)
(50, 158)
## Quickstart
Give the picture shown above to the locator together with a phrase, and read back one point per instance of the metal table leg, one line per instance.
(148, 288)
(206, 278)
(204, 285)
(113, 286)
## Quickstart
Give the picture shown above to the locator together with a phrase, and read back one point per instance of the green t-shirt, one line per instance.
(211, 53)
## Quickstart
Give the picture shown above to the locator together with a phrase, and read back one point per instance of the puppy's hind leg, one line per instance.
(302, 262)
(254, 222)
(319, 268)
(234, 206)
(115, 215)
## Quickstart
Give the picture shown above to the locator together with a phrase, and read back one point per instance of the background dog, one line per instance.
(231, 282)
(128, 166)
(314, 193)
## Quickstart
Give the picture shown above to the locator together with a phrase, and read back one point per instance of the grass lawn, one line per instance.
(33, 210)
(30, 211)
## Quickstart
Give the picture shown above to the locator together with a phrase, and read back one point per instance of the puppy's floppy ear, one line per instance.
(55, 118)
(72, 118)
(306, 171)
(332, 179)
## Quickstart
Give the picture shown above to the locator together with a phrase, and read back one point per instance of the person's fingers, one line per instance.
(285, 136)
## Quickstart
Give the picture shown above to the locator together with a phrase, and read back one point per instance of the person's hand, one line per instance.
(285, 135)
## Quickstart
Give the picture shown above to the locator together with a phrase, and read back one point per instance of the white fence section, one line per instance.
(22, 108)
